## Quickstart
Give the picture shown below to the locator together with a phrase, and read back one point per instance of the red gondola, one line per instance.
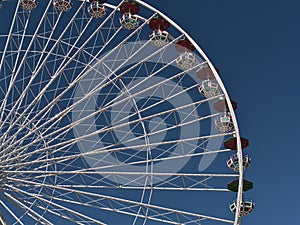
(159, 23)
(184, 45)
(232, 143)
(130, 6)
(205, 72)
(222, 105)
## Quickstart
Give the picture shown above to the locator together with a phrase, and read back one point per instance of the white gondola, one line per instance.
(129, 21)
(96, 10)
(209, 89)
(233, 163)
(159, 38)
(246, 207)
(224, 123)
(186, 60)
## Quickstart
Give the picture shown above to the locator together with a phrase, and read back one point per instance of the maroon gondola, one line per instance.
(232, 143)
(184, 45)
(130, 6)
(159, 23)
(222, 105)
(205, 73)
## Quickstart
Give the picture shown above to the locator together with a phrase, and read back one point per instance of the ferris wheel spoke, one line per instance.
(149, 174)
(14, 73)
(125, 210)
(85, 97)
(141, 162)
(30, 212)
(9, 36)
(70, 211)
(103, 207)
(160, 131)
(61, 214)
(136, 181)
(131, 115)
(84, 73)
(150, 88)
(108, 105)
(110, 148)
(115, 102)
(104, 83)
(151, 133)
(143, 119)
(123, 100)
(164, 130)
(11, 213)
(40, 64)
(133, 139)
(106, 150)
(20, 151)
(64, 64)
(194, 104)
(123, 205)
(58, 214)
(14, 204)
(42, 112)
(17, 70)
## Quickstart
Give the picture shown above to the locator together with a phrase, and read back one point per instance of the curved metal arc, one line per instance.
(232, 113)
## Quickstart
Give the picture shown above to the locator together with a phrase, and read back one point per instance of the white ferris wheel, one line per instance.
(111, 114)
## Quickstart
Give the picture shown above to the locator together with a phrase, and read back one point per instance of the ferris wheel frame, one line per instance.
(237, 220)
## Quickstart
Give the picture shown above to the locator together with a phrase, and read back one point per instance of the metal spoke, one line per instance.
(125, 201)
(107, 150)
(34, 215)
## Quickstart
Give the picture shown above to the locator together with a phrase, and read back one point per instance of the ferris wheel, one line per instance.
(110, 113)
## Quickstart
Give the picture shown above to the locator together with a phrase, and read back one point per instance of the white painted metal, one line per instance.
(36, 153)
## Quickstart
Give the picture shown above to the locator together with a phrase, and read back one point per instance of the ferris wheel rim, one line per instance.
(231, 110)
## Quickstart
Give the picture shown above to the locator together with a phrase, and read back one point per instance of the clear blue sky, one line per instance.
(255, 44)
